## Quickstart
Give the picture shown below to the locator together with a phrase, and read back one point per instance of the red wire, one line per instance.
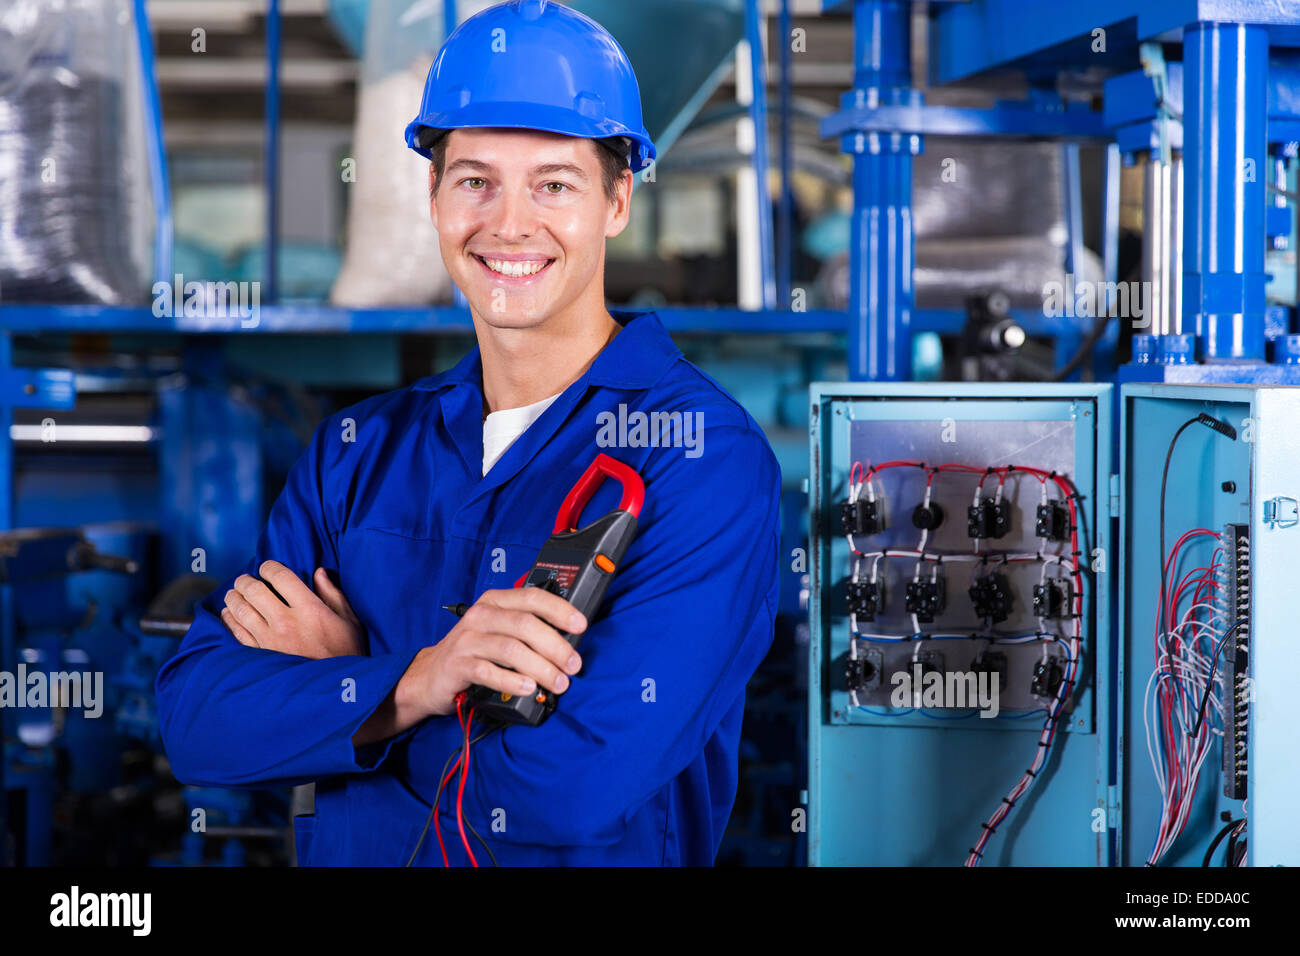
(1205, 583)
(460, 797)
(437, 828)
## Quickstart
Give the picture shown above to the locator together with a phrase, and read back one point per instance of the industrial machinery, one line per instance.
(1043, 603)
(1167, 749)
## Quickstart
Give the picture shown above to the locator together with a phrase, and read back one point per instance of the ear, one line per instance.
(621, 208)
(433, 205)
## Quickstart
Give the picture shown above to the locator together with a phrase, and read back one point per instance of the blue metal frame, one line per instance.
(758, 116)
(785, 237)
(271, 159)
(156, 147)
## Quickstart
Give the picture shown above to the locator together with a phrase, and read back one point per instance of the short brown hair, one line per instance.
(612, 153)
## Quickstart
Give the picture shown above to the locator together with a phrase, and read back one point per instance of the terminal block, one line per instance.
(924, 599)
(1052, 521)
(1047, 678)
(1052, 598)
(864, 672)
(1236, 660)
(988, 518)
(866, 599)
(861, 517)
(991, 596)
(992, 663)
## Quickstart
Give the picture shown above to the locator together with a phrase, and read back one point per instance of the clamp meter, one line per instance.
(577, 564)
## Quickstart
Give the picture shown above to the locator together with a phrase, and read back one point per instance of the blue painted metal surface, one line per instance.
(210, 469)
(271, 150)
(982, 35)
(881, 251)
(1225, 168)
(156, 146)
(947, 778)
(1263, 462)
(785, 237)
(758, 116)
(1009, 119)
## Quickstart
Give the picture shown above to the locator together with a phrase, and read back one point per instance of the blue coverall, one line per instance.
(639, 763)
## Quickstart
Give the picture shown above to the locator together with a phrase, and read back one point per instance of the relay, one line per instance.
(991, 596)
(924, 599)
(989, 518)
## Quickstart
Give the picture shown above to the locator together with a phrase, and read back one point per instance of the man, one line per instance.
(415, 501)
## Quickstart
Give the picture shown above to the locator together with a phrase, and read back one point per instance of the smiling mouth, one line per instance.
(513, 269)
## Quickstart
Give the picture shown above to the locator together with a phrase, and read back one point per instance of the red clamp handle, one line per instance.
(603, 467)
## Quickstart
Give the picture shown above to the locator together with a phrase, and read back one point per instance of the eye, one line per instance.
(474, 182)
(555, 189)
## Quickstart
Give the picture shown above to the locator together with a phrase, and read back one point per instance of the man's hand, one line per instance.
(517, 628)
(302, 624)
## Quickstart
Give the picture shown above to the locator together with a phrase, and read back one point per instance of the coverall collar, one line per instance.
(636, 358)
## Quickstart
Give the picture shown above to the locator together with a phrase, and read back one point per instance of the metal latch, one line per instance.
(1281, 512)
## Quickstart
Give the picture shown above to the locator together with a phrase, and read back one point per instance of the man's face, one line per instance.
(522, 220)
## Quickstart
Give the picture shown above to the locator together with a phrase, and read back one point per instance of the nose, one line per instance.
(514, 216)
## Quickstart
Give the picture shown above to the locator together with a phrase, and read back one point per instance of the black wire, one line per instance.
(438, 798)
(1085, 347)
(1164, 482)
(483, 843)
(1234, 856)
(1218, 838)
(433, 809)
(1200, 716)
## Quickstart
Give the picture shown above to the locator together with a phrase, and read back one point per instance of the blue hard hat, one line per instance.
(533, 64)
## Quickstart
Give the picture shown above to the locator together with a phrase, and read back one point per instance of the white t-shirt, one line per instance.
(500, 429)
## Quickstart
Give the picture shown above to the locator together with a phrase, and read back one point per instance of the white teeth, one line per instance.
(516, 270)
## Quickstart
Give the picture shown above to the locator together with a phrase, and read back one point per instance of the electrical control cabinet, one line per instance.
(1228, 491)
(960, 569)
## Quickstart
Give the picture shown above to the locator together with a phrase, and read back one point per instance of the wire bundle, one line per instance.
(1054, 710)
(465, 715)
(1180, 731)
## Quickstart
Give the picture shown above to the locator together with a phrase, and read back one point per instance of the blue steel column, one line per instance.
(1225, 69)
(272, 150)
(157, 150)
(881, 254)
(785, 236)
(758, 116)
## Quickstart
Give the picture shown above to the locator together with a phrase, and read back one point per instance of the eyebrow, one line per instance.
(546, 169)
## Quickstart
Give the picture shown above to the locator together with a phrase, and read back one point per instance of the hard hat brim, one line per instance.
(546, 119)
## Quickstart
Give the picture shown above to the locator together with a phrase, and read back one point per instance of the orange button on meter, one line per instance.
(604, 563)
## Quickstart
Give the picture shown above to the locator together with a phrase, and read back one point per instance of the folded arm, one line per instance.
(235, 715)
